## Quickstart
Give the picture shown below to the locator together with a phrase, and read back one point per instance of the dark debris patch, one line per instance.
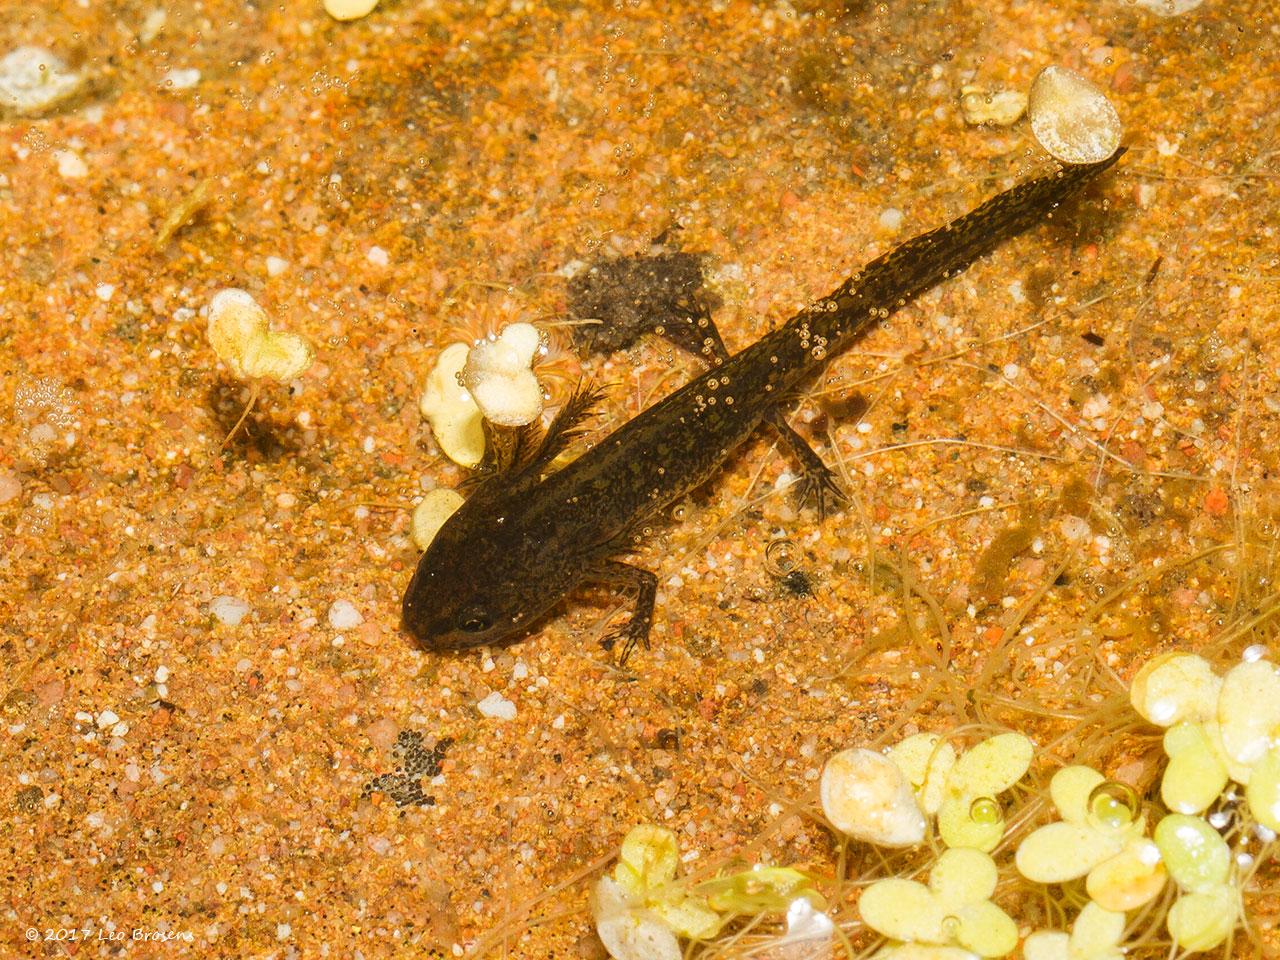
(29, 799)
(404, 785)
(632, 296)
(797, 583)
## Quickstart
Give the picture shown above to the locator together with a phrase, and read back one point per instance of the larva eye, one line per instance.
(474, 621)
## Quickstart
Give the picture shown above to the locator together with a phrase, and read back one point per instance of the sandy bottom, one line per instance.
(215, 730)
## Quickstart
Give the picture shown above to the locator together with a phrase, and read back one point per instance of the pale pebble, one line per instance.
(71, 165)
(343, 615)
(1169, 8)
(228, 610)
(180, 78)
(10, 487)
(349, 9)
(497, 706)
(1001, 108)
(34, 80)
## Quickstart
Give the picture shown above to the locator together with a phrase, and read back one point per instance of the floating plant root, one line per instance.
(254, 392)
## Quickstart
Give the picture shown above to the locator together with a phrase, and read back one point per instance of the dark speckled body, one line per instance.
(528, 537)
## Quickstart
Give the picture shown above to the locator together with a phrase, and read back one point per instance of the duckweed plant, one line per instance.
(642, 907)
(241, 335)
(972, 859)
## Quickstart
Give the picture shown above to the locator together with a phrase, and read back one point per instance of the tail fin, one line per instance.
(911, 268)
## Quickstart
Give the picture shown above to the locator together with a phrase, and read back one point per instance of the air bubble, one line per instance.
(1113, 804)
(985, 810)
(779, 557)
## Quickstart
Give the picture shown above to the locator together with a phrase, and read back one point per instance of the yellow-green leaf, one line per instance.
(902, 910)
(652, 853)
(1129, 879)
(1064, 851)
(963, 876)
(1202, 921)
(1263, 791)
(1097, 932)
(969, 822)
(1196, 775)
(1175, 687)
(1070, 789)
(925, 759)
(1196, 855)
(992, 766)
(689, 918)
(1249, 710)
(986, 929)
(1046, 945)
(277, 356)
(758, 890)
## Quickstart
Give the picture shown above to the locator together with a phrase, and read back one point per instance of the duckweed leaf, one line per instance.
(1061, 851)
(1202, 921)
(986, 929)
(1046, 945)
(455, 419)
(1175, 687)
(960, 826)
(277, 356)
(759, 890)
(1196, 775)
(992, 766)
(429, 516)
(1196, 855)
(902, 910)
(1129, 879)
(1096, 934)
(1070, 789)
(241, 336)
(686, 917)
(651, 853)
(1249, 710)
(963, 876)
(925, 759)
(865, 795)
(953, 909)
(628, 933)
(1263, 791)
(924, 951)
